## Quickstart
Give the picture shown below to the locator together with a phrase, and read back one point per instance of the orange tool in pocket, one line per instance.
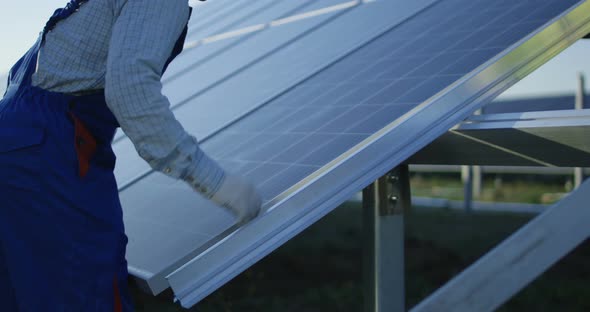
(85, 145)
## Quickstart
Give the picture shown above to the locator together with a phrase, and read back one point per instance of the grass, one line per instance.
(320, 270)
(532, 189)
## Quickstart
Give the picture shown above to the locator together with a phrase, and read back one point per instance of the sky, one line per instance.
(22, 21)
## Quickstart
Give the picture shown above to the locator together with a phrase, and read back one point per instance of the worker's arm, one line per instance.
(143, 37)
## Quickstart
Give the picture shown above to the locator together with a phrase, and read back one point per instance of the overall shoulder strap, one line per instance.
(61, 14)
(179, 46)
(20, 73)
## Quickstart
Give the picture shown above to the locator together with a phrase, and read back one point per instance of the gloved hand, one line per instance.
(240, 197)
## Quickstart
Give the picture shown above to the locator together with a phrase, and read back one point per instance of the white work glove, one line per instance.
(240, 197)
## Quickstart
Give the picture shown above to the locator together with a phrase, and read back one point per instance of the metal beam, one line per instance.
(384, 204)
(498, 169)
(517, 261)
(514, 139)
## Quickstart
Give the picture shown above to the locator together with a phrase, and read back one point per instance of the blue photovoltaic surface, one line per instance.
(241, 78)
(214, 19)
(211, 12)
(427, 59)
(313, 122)
(165, 221)
(200, 89)
(258, 12)
(205, 66)
(318, 120)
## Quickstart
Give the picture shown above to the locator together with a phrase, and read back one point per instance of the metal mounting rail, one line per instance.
(516, 262)
(548, 138)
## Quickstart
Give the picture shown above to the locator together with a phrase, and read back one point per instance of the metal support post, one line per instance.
(471, 178)
(476, 174)
(472, 185)
(468, 188)
(580, 98)
(384, 204)
(477, 181)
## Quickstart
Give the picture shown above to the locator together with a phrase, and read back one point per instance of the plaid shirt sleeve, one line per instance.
(143, 36)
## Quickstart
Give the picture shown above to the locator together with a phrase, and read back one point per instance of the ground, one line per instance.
(320, 270)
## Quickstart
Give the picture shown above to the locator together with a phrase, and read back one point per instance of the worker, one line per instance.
(96, 66)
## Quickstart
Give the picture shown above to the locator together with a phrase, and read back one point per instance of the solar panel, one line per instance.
(378, 88)
(312, 120)
(295, 135)
(248, 70)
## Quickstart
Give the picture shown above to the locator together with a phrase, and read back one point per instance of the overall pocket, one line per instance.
(13, 138)
(20, 153)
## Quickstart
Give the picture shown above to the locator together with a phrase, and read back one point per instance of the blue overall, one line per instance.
(62, 240)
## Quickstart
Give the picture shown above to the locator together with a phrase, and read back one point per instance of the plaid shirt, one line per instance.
(121, 46)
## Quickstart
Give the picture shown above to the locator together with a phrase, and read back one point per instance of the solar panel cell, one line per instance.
(546, 10)
(401, 66)
(332, 94)
(248, 12)
(315, 119)
(393, 91)
(380, 118)
(331, 149)
(282, 179)
(271, 143)
(348, 116)
(437, 64)
(292, 120)
(469, 61)
(212, 11)
(359, 93)
(265, 172)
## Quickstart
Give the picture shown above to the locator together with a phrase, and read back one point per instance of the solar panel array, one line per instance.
(276, 102)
